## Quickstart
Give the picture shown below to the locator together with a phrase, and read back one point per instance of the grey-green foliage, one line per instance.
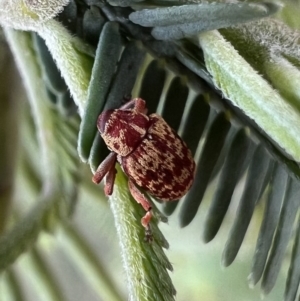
(233, 57)
(177, 22)
(59, 188)
(241, 83)
(272, 48)
(59, 162)
(145, 263)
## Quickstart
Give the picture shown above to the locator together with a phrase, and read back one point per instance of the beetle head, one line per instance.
(122, 130)
(102, 120)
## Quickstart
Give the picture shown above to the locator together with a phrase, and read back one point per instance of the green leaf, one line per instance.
(10, 105)
(107, 55)
(246, 89)
(271, 48)
(145, 263)
(72, 57)
(212, 15)
(29, 15)
(177, 22)
(285, 77)
(85, 259)
(58, 162)
(24, 234)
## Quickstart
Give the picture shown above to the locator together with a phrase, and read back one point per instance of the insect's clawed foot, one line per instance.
(146, 224)
(148, 235)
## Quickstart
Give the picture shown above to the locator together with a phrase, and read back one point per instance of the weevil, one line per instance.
(150, 152)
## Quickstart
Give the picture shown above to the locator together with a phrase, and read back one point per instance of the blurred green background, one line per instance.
(81, 260)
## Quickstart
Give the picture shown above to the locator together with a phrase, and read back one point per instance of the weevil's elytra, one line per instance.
(161, 165)
(149, 151)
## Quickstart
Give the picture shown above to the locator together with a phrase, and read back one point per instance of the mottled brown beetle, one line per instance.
(150, 153)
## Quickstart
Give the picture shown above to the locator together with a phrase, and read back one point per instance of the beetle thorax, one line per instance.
(122, 130)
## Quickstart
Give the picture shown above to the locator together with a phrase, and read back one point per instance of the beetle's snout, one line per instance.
(102, 120)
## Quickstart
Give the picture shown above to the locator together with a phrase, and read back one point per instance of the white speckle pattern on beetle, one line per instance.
(118, 143)
(164, 173)
(149, 151)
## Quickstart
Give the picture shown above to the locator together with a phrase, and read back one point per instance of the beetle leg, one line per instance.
(138, 104)
(105, 167)
(141, 199)
(138, 196)
(110, 180)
